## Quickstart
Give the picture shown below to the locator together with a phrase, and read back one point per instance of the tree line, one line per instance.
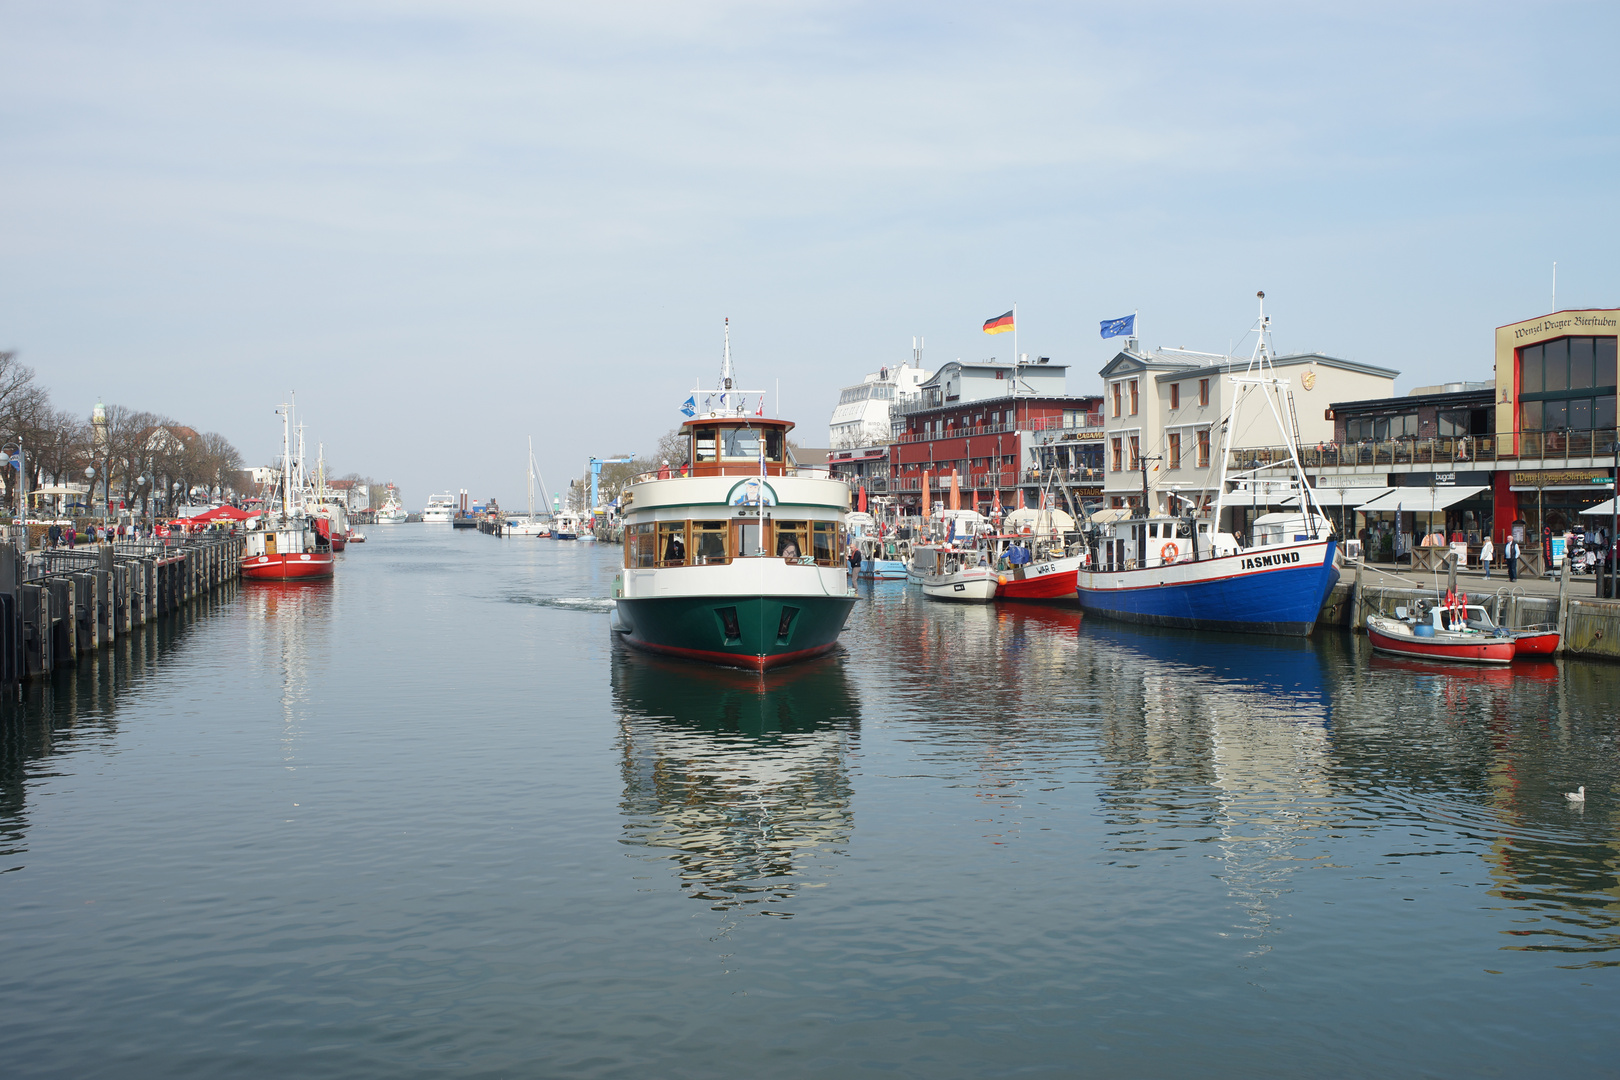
(131, 454)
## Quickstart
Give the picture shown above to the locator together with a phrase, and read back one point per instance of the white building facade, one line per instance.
(1164, 411)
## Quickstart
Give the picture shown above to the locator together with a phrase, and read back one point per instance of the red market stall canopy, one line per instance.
(223, 513)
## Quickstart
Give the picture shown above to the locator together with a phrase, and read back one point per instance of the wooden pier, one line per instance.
(57, 605)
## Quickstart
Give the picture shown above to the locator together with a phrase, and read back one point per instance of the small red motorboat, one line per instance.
(1443, 632)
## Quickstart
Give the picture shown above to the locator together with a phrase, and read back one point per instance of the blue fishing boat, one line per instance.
(1190, 572)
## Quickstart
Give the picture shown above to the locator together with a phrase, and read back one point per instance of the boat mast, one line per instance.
(531, 477)
(286, 459)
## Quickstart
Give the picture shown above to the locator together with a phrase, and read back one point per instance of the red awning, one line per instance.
(224, 513)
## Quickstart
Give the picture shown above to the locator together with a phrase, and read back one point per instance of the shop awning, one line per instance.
(1353, 496)
(1417, 498)
(1606, 508)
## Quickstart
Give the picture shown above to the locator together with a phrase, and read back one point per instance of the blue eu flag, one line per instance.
(1125, 327)
(689, 408)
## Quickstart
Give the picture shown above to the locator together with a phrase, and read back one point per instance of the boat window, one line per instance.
(749, 537)
(773, 444)
(672, 543)
(704, 449)
(640, 545)
(825, 543)
(792, 533)
(740, 443)
(709, 542)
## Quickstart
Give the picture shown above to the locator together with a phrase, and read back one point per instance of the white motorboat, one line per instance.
(441, 510)
(952, 573)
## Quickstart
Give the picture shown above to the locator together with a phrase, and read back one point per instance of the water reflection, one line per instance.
(77, 707)
(1221, 741)
(741, 780)
(288, 626)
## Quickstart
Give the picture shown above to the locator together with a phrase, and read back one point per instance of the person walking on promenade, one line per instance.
(1510, 553)
(1487, 552)
(72, 535)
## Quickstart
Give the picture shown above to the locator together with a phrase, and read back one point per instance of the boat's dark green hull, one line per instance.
(756, 632)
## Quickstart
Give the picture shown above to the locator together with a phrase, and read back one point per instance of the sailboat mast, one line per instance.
(286, 459)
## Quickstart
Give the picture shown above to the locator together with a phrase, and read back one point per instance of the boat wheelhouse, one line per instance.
(741, 561)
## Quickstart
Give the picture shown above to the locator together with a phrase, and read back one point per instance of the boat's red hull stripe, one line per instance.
(1499, 651)
(283, 567)
(754, 663)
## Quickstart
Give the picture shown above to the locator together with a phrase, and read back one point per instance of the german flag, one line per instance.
(999, 325)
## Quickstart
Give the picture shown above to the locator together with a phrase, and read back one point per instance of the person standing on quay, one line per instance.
(1510, 552)
(1487, 552)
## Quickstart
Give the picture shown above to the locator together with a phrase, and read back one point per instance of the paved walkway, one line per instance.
(1470, 581)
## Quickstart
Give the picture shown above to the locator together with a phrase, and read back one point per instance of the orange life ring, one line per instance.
(1169, 552)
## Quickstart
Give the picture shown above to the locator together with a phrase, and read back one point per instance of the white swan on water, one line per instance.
(1578, 795)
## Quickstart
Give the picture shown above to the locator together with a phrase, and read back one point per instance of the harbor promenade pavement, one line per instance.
(1471, 581)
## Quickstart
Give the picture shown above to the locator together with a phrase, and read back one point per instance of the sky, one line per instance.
(451, 225)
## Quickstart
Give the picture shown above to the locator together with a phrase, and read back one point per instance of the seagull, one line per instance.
(1578, 795)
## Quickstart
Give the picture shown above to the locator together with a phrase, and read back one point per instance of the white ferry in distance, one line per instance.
(441, 509)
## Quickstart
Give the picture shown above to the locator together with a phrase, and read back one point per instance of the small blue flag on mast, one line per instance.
(689, 408)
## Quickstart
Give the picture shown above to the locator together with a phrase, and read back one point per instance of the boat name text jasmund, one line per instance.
(1259, 562)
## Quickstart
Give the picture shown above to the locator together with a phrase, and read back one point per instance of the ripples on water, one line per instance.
(430, 818)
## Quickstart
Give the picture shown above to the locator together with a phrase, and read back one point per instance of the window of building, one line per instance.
(1134, 403)
(1175, 395)
(1175, 450)
(1117, 462)
(1567, 383)
(1203, 391)
(1452, 422)
(1117, 392)
(1136, 452)
(1203, 447)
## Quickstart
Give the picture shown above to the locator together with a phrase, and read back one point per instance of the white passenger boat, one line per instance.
(441, 510)
(742, 562)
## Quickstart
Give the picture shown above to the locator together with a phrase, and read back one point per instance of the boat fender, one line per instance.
(1423, 630)
(1169, 552)
(1001, 579)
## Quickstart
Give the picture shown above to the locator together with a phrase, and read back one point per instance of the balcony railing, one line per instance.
(1083, 422)
(992, 481)
(1452, 453)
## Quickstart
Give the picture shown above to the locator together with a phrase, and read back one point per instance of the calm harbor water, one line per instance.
(428, 819)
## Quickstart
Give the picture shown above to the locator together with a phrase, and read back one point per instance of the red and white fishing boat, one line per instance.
(1044, 569)
(1443, 632)
(286, 546)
